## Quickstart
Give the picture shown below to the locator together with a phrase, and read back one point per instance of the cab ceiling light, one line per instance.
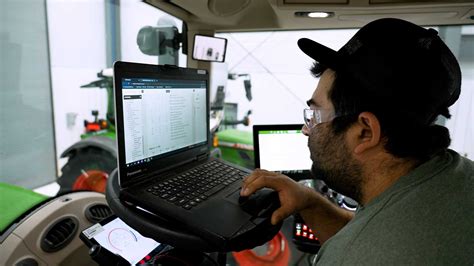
(318, 14)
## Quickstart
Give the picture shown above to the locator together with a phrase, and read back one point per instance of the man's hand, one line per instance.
(293, 196)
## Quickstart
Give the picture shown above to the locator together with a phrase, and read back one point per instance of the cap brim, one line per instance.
(322, 54)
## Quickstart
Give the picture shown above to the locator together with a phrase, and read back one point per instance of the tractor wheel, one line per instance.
(86, 160)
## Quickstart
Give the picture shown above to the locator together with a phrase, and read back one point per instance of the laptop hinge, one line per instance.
(203, 156)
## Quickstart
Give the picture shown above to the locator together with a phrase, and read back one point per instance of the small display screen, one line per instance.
(209, 48)
(303, 232)
(284, 151)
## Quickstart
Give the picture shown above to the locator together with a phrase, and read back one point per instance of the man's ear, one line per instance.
(368, 130)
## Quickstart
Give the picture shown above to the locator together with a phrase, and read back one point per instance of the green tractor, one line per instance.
(91, 159)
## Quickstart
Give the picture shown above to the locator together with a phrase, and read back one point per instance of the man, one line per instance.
(372, 137)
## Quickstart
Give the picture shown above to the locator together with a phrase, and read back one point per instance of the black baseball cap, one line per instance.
(401, 64)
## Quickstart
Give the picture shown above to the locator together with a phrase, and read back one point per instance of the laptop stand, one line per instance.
(156, 227)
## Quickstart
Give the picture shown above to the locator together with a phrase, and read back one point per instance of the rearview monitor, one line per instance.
(209, 48)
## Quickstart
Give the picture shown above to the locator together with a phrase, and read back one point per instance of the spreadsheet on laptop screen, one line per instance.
(162, 116)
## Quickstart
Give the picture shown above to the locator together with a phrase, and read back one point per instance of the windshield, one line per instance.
(57, 130)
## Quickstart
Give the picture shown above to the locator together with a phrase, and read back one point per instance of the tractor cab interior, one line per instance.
(60, 198)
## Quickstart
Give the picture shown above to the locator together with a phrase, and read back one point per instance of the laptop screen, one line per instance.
(283, 149)
(162, 116)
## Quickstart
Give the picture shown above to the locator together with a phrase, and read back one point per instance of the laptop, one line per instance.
(282, 148)
(164, 163)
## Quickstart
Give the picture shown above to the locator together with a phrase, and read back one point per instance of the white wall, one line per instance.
(281, 81)
(77, 50)
(461, 124)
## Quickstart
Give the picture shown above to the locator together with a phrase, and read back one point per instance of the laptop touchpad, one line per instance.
(234, 197)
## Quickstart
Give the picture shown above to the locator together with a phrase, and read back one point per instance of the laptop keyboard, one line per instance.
(194, 186)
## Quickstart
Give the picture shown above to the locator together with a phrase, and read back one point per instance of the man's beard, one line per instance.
(332, 163)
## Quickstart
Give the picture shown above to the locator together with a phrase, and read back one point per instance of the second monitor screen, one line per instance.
(284, 151)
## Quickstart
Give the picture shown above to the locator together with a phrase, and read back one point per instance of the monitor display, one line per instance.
(283, 149)
(208, 48)
(162, 116)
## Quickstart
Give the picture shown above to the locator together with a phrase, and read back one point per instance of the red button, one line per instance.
(305, 227)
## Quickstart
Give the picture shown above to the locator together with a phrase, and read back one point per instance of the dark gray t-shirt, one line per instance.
(425, 218)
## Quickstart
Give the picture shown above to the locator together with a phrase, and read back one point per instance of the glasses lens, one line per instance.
(309, 118)
(317, 116)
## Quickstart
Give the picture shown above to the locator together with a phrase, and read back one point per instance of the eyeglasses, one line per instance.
(313, 117)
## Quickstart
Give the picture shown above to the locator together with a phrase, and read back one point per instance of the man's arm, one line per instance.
(317, 211)
(324, 216)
